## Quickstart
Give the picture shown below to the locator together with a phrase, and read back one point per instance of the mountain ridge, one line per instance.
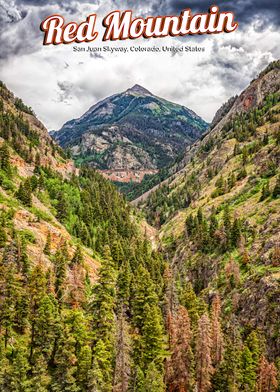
(133, 132)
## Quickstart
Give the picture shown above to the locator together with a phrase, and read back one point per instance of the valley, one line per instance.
(177, 291)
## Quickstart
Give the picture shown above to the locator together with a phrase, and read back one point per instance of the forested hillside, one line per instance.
(87, 302)
(219, 223)
(63, 325)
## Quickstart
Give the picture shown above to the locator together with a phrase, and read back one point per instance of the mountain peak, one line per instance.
(137, 89)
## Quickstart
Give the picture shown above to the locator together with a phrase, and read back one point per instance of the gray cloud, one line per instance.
(70, 83)
(65, 91)
(9, 13)
(246, 11)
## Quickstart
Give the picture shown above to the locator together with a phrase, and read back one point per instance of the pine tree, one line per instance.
(248, 382)
(152, 339)
(235, 232)
(103, 324)
(3, 237)
(124, 283)
(153, 380)
(101, 372)
(138, 381)
(267, 376)
(61, 260)
(232, 357)
(17, 373)
(123, 356)
(65, 365)
(40, 379)
(5, 158)
(245, 155)
(78, 256)
(227, 223)
(84, 366)
(232, 273)
(217, 335)
(204, 369)
(190, 301)
(10, 290)
(24, 193)
(117, 253)
(61, 207)
(180, 365)
(47, 248)
(142, 293)
(253, 344)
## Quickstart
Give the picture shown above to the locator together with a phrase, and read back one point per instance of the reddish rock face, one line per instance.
(126, 175)
(248, 102)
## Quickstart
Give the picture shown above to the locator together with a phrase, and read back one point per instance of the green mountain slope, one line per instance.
(80, 286)
(219, 222)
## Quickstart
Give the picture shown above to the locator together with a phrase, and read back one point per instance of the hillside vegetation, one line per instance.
(80, 285)
(219, 225)
(91, 300)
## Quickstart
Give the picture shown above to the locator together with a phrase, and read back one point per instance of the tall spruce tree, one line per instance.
(204, 369)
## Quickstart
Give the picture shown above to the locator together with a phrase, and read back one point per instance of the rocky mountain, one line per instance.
(131, 134)
(219, 225)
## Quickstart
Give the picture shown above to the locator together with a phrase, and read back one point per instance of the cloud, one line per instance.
(262, 13)
(64, 92)
(9, 13)
(60, 84)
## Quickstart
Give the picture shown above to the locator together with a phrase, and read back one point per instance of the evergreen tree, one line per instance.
(154, 380)
(190, 301)
(142, 293)
(248, 377)
(24, 193)
(61, 207)
(124, 283)
(61, 260)
(204, 369)
(235, 232)
(5, 159)
(180, 365)
(47, 248)
(267, 376)
(152, 339)
(217, 335)
(227, 223)
(65, 365)
(40, 380)
(232, 371)
(78, 256)
(103, 324)
(16, 378)
(123, 356)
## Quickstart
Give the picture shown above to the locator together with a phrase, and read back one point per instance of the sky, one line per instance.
(61, 84)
